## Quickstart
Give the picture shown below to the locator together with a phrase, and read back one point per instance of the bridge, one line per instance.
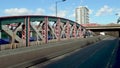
(46, 41)
(20, 31)
(114, 27)
(102, 28)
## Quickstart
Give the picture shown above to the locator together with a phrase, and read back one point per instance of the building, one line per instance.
(82, 15)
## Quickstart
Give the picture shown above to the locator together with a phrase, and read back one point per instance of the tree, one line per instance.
(118, 20)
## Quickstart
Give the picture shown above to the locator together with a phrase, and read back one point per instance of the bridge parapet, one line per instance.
(116, 26)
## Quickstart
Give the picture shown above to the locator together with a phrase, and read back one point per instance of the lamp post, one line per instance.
(56, 5)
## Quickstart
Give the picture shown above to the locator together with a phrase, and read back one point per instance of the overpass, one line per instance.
(100, 28)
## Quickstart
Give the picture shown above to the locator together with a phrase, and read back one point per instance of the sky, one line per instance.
(100, 11)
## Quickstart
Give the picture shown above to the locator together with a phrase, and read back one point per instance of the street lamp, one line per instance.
(56, 5)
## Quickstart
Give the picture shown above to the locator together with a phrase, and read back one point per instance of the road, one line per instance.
(98, 55)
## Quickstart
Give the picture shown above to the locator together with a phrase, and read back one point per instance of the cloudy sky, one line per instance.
(101, 11)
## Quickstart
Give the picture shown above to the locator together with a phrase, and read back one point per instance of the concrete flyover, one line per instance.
(28, 56)
(104, 28)
(114, 27)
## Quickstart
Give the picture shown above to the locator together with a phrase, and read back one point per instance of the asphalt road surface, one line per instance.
(98, 55)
